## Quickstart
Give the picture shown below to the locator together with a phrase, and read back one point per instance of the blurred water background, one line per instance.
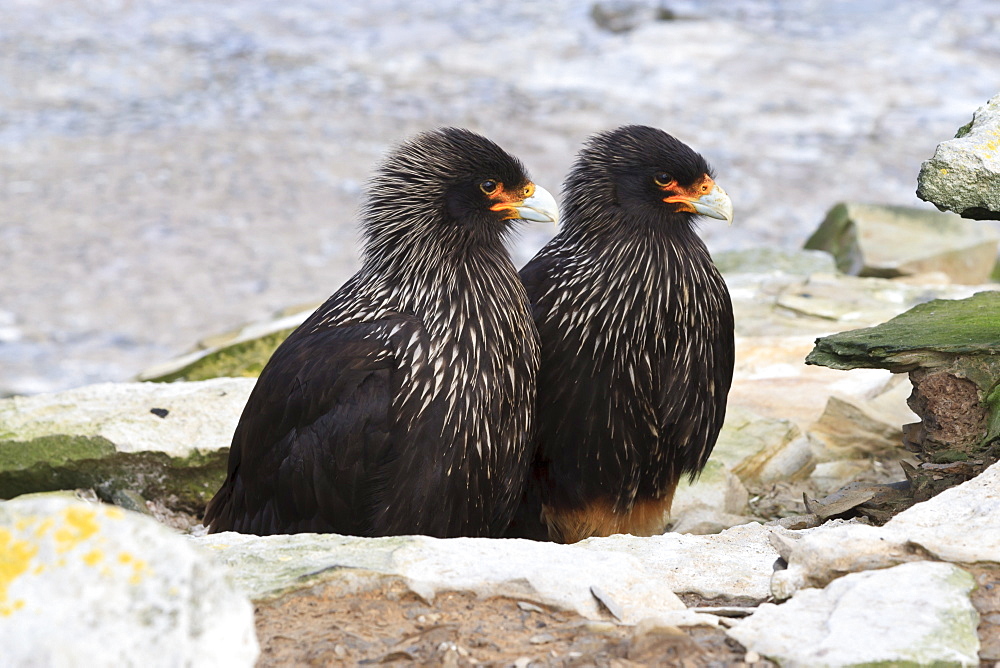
(169, 170)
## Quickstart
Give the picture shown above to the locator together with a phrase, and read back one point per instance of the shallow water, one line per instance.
(170, 170)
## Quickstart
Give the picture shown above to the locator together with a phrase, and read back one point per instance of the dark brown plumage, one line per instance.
(636, 326)
(403, 404)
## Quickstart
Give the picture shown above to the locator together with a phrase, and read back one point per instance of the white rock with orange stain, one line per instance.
(87, 584)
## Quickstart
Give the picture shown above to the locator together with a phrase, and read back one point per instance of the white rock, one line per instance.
(564, 576)
(736, 563)
(164, 441)
(85, 584)
(634, 577)
(913, 614)
(818, 556)
(201, 416)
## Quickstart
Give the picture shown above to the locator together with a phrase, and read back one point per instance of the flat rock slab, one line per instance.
(964, 173)
(914, 614)
(735, 564)
(625, 578)
(88, 584)
(152, 438)
(891, 241)
(919, 337)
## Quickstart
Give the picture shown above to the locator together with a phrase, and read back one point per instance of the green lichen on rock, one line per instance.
(58, 462)
(927, 335)
(239, 360)
(992, 402)
(52, 451)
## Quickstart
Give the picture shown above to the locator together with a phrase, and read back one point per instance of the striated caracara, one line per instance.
(636, 326)
(403, 405)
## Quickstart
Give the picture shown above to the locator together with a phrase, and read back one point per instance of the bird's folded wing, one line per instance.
(315, 429)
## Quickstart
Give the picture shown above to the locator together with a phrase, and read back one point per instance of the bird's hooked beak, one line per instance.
(706, 198)
(539, 206)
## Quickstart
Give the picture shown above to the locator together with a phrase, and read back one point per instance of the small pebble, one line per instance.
(541, 639)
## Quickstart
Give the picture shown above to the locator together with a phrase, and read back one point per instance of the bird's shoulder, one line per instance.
(542, 273)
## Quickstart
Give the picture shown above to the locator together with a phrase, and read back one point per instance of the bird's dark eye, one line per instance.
(663, 179)
(489, 186)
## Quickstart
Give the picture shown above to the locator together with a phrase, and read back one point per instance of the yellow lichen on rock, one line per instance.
(139, 567)
(15, 559)
(71, 534)
(80, 524)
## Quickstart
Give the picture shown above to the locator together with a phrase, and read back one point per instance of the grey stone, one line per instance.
(158, 440)
(964, 173)
(785, 305)
(890, 241)
(87, 584)
(620, 16)
(913, 614)
(715, 501)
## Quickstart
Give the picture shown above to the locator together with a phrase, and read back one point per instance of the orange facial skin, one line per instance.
(507, 201)
(685, 196)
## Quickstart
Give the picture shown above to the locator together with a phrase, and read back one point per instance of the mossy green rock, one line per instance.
(164, 442)
(959, 342)
(241, 353)
(245, 359)
(927, 335)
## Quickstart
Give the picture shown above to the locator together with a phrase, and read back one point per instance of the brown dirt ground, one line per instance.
(324, 626)
(388, 624)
